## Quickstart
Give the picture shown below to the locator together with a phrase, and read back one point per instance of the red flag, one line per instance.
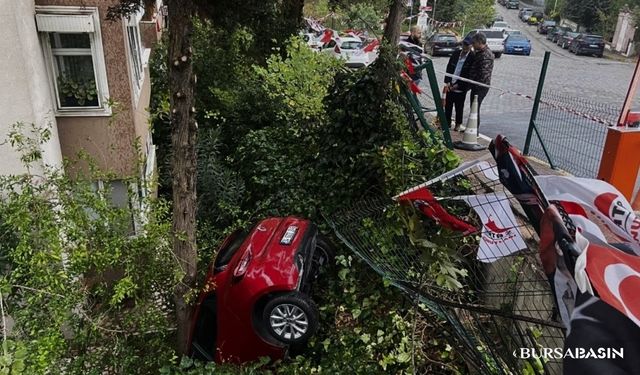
(414, 88)
(371, 46)
(424, 201)
(326, 36)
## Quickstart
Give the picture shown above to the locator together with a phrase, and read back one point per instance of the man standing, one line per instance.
(459, 64)
(416, 36)
(481, 69)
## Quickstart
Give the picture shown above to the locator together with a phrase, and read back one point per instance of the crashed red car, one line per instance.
(256, 299)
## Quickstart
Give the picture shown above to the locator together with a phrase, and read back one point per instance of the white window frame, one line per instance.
(97, 53)
(132, 30)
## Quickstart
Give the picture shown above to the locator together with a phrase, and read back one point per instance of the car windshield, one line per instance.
(492, 34)
(351, 45)
(500, 24)
(446, 38)
(226, 253)
(593, 39)
(516, 38)
(536, 15)
(549, 23)
(572, 35)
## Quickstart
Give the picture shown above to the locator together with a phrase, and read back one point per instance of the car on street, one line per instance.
(546, 26)
(525, 15)
(513, 4)
(522, 10)
(442, 44)
(348, 49)
(517, 45)
(556, 32)
(495, 40)
(535, 18)
(502, 2)
(587, 44)
(256, 298)
(500, 26)
(565, 40)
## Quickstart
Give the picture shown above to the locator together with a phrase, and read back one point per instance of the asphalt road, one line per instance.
(593, 85)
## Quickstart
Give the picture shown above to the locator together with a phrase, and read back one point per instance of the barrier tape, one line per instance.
(556, 106)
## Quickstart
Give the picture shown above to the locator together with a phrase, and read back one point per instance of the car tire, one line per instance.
(564, 45)
(498, 54)
(290, 318)
(325, 253)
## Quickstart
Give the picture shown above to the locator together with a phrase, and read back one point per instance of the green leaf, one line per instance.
(404, 357)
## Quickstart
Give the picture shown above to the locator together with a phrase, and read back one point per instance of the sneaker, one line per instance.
(462, 128)
(457, 128)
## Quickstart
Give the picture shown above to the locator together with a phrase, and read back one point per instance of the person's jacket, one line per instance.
(411, 39)
(466, 69)
(482, 66)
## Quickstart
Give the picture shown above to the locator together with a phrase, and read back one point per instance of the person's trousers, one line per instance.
(481, 92)
(455, 99)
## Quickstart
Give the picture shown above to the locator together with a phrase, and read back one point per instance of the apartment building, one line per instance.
(64, 65)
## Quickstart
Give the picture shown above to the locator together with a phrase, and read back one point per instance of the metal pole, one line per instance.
(631, 93)
(536, 103)
(435, 91)
(433, 15)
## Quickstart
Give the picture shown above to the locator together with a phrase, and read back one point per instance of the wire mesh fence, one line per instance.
(573, 132)
(491, 300)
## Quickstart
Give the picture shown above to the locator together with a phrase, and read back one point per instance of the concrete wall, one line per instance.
(625, 31)
(24, 91)
(108, 140)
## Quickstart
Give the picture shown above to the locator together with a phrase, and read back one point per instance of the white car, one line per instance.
(500, 26)
(348, 49)
(312, 41)
(495, 40)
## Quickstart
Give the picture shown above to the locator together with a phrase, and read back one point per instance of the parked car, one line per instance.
(312, 41)
(348, 49)
(556, 32)
(442, 44)
(587, 44)
(522, 10)
(502, 2)
(517, 45)
(566, 39)
(255, 301)
(525, 15)
(535, 18)
(513, 4)
(495, 40)
(500, 26)
(545, 26)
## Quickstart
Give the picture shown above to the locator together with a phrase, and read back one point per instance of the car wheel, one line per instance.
(325, 253)
(291, 318)
(498, 54)
(564, 45)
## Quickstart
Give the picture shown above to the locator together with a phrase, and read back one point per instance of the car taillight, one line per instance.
(336, 49)
(243, 265)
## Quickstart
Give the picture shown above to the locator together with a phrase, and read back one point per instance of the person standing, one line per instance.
(416, 36)
(459, 64)
(481, 69)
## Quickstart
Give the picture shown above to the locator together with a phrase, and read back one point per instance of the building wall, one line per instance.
(24, 92)
(108, 140)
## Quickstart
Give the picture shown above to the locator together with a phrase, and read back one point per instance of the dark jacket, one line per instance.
(482, 67)
(415, 41)
(466, 69)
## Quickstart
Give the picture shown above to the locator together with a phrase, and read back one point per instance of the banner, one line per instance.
(500, 235)
(600, 200)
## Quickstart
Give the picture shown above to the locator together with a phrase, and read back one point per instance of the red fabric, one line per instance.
(615, 276)
(548, 253)
(326, 37)
(371, 46)
(409, 65)
(428, 205)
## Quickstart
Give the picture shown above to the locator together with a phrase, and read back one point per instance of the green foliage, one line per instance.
(477, 13)
(80, 91)
(73, 281)
(364, 16)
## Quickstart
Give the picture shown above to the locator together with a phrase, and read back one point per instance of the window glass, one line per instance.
(351, 45)
(74, 70)
(133, 37)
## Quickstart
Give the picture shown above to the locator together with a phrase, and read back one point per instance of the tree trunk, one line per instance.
(394, 21)
(183, 140)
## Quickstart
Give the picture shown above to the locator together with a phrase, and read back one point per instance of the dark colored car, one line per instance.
(502, 2)
(556, 32)
(535, 18)
(565, 40)
(546, 26)
(442, 44)
(255, 301)
(587, 44)
(513, 4)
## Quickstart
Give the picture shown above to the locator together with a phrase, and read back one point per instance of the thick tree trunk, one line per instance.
(183, 140)
(394, 21)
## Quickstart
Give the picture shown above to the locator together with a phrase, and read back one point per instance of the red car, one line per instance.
(255, 301)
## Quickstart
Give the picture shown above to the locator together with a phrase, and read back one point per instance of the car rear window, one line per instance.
(593, 39)
(226, 253)
(351, 45)
(516, 38)
(493, 34)
(549, 23)
(446, 38)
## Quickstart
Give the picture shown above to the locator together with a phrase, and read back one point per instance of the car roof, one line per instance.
(350, 39)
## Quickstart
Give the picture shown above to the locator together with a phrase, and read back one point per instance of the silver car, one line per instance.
(495, 40)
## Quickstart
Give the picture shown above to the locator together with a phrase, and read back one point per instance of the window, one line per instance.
(135, 54)
(70, 38)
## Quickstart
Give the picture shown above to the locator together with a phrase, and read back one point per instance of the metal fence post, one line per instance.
(435, 91)
(536, 103)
